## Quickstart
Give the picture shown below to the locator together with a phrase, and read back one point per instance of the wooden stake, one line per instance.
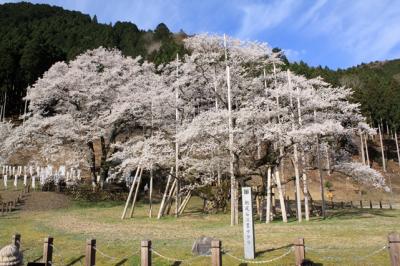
(161, 210)
(151, 193)
(382, 148)
(268, 215)
(397, 146)
(299, 251)
(48, 251)
(281, 196)
(130, 194)
(366, 150)
(136, 192)
(216, 258)
(362, 147)
(170, 198)
(394, 248)
(145, 248)
(90, 256)
(185, 202)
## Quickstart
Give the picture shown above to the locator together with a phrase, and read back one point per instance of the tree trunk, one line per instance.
(104, 167)
(92, 161)
(281, 196)
(382, 148)
(328, 159)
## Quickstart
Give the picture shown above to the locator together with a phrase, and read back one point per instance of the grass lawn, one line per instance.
(342, 239)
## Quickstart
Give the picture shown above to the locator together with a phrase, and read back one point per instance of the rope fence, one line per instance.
(260, 261)
(216, 253)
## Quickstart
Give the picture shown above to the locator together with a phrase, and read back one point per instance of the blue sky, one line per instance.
(336, 33)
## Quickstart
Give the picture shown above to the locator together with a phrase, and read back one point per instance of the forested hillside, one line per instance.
(34, 37)
(376, 86)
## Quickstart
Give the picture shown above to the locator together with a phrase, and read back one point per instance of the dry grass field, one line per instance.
(344, 238)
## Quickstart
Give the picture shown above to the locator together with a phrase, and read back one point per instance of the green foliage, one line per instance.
(35, 36)
(328, 185)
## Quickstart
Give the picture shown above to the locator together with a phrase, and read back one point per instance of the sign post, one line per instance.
(248, 224)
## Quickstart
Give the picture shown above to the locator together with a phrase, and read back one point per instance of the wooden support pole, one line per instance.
(185, 202)
(130, 194)
(361, 206)
(162, 206)
(16, 240)
(299, 251)
(394, 248)
(90, 256)
(351, 204)
(216, 257)
(170, 198)
(370, 204)
(136, 193)
(48, 251)
(145, 247)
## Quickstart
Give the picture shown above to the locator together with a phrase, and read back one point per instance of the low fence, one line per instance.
(360, 204)
(299, 249)
(10, 205)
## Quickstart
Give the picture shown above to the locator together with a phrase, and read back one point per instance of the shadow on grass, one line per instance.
(96, 204)
(76, 261)
(258, 253)
(358, 214)
(121, 262)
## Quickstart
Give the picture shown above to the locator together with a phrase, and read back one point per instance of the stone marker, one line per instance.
(248, 224)
(202, 246)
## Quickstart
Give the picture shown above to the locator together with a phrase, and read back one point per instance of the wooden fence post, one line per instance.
(145, 247)
(90, 256)
(16, 240)
(351, 204)
(380, 204)
(48, 251)
(361, 206)
(299, 251)
(216, 258)
(3, 208)
(9, 206)
(342, 204)
(394, 248)
(370, 204)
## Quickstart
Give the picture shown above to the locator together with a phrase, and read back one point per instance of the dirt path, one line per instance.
(38, 201)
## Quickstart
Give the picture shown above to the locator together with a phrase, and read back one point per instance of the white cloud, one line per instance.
(259, 17)
(365, 29)
(294, 55)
